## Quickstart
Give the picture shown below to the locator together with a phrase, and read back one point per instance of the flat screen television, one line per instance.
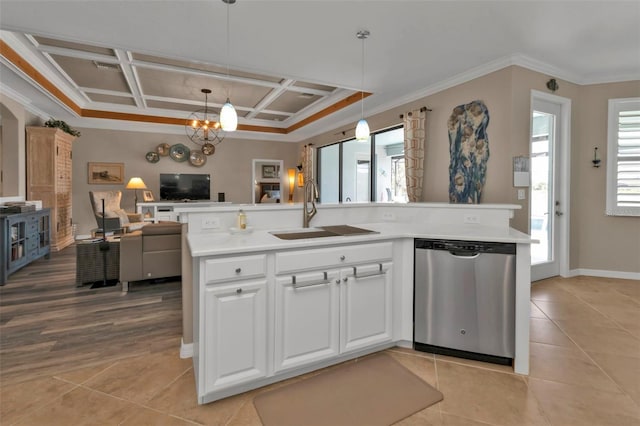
(185, 186)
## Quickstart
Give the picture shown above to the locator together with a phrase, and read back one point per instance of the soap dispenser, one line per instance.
(242, 220)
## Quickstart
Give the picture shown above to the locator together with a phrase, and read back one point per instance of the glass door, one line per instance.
(546, 206)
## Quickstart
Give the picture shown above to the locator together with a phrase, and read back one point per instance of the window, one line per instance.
(623, 157)
(351, 171)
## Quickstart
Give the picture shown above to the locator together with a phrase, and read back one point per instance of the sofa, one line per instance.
(155, 251)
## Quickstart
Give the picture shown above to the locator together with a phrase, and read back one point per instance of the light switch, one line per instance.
(521, 194)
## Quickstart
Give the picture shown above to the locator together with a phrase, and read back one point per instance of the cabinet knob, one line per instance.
(338, 281)
(345, 279)
(238, 270)
(342, 258)
(239, 291)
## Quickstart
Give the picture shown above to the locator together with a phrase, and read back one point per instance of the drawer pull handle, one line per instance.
(238, 270)
(239, 291)
(295, 284)
(369, 274)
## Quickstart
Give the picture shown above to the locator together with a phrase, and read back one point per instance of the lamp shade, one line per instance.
(362, 130)
(136, 183)
(228, 117)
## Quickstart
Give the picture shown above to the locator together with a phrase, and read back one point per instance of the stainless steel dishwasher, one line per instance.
(464, 299)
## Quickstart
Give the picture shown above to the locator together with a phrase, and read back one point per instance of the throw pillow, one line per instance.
(124, 219)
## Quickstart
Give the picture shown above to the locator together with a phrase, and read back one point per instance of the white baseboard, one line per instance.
(186, 349)
(605, 274)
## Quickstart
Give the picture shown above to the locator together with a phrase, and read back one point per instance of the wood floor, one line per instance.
(48, 325)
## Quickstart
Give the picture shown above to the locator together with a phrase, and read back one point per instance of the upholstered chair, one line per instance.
(115, 217)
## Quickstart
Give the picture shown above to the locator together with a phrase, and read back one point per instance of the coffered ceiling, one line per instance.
(292, 69)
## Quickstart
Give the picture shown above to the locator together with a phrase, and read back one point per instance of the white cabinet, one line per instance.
(365, 306)
(233, 326)
(306, 318)
(333, 310)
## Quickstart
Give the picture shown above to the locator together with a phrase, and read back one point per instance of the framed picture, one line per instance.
(106, 173)
(269, 171)
(147, 195)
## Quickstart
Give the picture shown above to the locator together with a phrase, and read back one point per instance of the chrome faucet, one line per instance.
(310, 196)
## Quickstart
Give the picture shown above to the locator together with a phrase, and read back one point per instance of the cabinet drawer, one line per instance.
(332, 256)
(234, 268)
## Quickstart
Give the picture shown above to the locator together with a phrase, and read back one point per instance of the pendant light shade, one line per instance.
(228, 117)
(362, 129)
(228, 114)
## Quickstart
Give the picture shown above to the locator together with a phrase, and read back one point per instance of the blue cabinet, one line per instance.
(25, 237)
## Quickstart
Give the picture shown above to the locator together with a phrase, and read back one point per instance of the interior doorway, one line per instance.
(549, 201)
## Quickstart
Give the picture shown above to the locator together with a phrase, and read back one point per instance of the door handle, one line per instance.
(380, 271)
(559, 213)
(296, 284)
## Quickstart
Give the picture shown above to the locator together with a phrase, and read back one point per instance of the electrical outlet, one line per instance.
(211, 223)
(388, 216)
(521, 194)
(471, 218)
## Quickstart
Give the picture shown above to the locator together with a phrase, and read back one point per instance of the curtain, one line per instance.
(414, 135)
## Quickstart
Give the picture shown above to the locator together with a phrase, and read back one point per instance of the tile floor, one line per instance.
(585, 370)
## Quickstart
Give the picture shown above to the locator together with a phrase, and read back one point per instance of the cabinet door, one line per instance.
(234, 334)
(365, 306)
(306, 314)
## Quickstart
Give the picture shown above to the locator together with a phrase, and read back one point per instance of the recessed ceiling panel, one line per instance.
(170, 84)
(204, 67)
(120, 100)
(86, 74)
(215, 111)
(292, 102)
(74, 46)
(314, 86)
(273, 117)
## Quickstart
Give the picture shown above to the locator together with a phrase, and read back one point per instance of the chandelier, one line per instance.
(203, 129)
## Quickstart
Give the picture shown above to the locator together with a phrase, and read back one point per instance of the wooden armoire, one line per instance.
(49, 167)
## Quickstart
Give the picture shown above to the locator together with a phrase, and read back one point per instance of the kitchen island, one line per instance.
(266, 309)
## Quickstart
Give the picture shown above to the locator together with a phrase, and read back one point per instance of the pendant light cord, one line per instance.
(228, 43)
(362, 81)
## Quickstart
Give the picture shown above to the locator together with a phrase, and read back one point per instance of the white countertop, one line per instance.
(258, 240)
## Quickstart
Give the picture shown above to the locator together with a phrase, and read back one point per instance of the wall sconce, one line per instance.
(300, 179)
(292, 182)
(596, 160)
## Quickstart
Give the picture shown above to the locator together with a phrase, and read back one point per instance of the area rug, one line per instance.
(376, 390)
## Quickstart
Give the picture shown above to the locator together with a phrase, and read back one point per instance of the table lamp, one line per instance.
(136, 183)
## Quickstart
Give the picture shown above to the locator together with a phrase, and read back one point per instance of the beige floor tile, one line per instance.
(246, 416)
(536, 312)
(545, 331)
(81, 406)
(624, 370)
(18, 400)
(179, 399)
(146, 417)
(81, 375)
(451, 420)
(138, 379)
(487, 396)
(574, 311)
(569, 405)
(601, 339)
(568, 365)
(474, 363)
(420, 366)
(549, 290)
(430, 416)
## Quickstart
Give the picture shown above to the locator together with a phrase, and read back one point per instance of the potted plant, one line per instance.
(62, 126)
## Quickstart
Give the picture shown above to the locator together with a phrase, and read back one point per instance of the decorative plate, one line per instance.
(179, 152)
(196, 158)
(163, 149)
(152, 157)
(208, 149)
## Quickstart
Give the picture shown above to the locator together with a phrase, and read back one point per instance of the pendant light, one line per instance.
(202, 129)
(362, 129)
(228, 115)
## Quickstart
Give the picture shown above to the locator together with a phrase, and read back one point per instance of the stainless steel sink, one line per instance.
(323, 231)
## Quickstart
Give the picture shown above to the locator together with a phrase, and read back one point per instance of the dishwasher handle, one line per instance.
(466, 254)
